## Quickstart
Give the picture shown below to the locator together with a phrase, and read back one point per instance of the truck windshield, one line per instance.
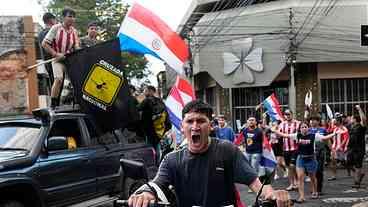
(18, 137)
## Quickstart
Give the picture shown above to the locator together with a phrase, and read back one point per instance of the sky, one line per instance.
(171, 11)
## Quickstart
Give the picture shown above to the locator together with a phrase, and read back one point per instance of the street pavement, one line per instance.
(338, 193)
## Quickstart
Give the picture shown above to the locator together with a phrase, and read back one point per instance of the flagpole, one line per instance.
(40, 63)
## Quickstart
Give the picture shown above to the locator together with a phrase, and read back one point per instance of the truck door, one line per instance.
(67, 175)
(107, 153)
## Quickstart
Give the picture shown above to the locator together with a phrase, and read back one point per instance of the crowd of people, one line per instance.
(303, 148)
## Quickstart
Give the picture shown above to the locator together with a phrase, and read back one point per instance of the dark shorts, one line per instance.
(355, 159)
(290, 157)
(277, 149)
(308, 164)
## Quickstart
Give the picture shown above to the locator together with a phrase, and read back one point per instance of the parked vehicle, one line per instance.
(58, 158)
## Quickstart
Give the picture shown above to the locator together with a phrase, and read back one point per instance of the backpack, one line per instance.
(160, 117)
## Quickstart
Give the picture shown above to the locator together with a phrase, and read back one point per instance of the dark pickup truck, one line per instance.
(58, 158)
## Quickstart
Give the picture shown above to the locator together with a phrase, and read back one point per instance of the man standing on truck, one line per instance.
(49, 20)
(61, 39)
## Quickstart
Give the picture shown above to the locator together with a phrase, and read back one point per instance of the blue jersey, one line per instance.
(225, 133)
(318, 130)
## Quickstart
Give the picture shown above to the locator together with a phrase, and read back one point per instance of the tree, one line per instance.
(108, 14)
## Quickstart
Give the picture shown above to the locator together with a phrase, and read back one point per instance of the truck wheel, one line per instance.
(130, 186)
(11, 204)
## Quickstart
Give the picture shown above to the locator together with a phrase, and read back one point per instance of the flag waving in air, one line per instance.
(329, 112)
(268, 160)
(308, 104)
(180, 94)
(99, 85)
(273, 107)
(145, 33)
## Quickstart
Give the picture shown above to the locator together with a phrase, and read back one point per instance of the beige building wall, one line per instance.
(342, 70)
(19, 87)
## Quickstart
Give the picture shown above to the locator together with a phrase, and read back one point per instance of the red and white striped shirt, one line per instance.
(291, 127)
(62, 40)
(339, 139)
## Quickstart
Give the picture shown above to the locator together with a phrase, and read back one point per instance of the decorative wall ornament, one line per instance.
(242, 60)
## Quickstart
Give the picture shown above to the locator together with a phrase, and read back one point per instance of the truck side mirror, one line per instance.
(134, 169)
(57, 143)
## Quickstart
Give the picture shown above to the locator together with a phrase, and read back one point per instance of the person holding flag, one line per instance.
(61, 39)
(272, 106)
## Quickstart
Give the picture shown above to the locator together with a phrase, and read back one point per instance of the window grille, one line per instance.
(343, 94)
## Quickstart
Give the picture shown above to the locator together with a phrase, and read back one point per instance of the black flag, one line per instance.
(99, 84)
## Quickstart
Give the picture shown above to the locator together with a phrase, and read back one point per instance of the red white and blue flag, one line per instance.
(268, 160)
(273, 107)
(144, 32)
(180, 94)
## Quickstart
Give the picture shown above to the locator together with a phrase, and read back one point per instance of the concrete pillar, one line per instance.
(32, 83)
(292, 93)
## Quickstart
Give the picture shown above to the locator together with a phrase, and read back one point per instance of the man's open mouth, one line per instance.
(196, 138)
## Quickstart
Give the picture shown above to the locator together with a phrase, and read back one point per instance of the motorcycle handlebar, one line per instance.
(124, 203)
(260, 203)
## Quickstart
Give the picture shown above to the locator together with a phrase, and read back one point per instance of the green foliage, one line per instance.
(109, 14)
(133, 64)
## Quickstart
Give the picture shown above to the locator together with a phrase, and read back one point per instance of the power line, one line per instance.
(333, 3)
(221, 27)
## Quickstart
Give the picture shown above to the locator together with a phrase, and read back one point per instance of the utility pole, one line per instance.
(291, 60)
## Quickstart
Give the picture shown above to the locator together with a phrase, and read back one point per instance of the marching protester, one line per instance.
(214, 125)
(49, 20)
(223, 131)
(61, 39)
(155, 121)
(253, 140)
(91, 38)
(356, 146)
(276, 144)
(339, 144)
(194, 170)
(290, 147)
(306, 161)
(320, 151)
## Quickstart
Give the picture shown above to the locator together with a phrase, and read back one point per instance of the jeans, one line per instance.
(255, 160)
(320, 156)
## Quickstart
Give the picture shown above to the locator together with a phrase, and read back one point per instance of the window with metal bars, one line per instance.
(343, 94)
(245, 100)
